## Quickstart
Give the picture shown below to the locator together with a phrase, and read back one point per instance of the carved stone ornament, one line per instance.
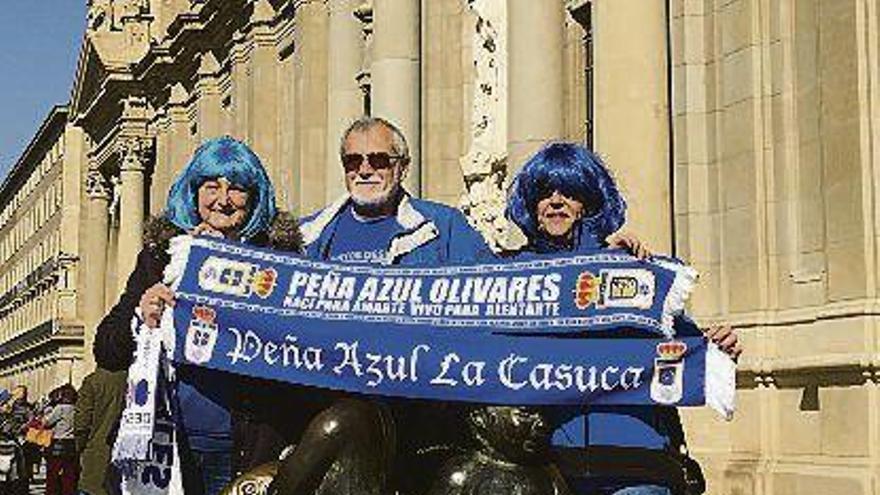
(100, 15)
(110, 15)
(133, 154)
(484, 164)
(96, 185)
(115, 200)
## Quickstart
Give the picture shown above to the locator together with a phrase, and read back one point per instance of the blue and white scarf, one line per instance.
(145, 450)
(490, 333)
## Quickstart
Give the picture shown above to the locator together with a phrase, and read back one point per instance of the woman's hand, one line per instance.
(205, 229)
(726, 339)
(153, 302)
(628, 241)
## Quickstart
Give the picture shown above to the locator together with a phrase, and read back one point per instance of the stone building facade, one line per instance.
(744, 134)
(40, 330)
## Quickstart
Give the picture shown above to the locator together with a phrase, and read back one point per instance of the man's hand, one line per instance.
(726, 339)
(628, 241)
(153, 302)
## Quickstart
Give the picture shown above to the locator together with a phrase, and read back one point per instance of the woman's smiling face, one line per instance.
(223, 205)
(557, 215)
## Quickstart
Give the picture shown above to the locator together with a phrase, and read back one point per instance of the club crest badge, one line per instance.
(667, 385)
(586, 290)
(236, 278)
(626, 288)
(201, 336)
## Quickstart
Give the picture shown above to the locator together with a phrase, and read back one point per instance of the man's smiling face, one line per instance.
(374, 179)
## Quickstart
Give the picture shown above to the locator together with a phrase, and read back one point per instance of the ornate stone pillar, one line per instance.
(535, 77)
(94, 244)
(345, 101)
(395, 74)
(133, 156)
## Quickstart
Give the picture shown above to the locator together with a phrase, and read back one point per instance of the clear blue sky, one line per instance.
(39, 46)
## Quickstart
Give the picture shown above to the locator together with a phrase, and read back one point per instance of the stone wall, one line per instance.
(775, 150)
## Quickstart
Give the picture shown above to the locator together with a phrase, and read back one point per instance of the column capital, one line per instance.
(96, 185)
(134, 152)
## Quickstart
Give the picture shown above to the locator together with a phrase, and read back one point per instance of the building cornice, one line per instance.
(35, 341)
(50, 130)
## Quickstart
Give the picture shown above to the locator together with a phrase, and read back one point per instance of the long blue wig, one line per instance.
(234, 160)
(575, 172)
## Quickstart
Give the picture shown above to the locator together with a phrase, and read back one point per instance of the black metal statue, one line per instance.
(510, 459)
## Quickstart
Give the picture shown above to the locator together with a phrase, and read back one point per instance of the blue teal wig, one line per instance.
(234, 160)
(575, 172)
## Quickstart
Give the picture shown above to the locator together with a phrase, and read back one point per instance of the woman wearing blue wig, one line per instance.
(223, 191)
(565, 201)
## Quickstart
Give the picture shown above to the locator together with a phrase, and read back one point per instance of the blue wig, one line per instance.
(575, 172)
(234, 160)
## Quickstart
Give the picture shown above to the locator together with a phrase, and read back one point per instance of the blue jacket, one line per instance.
(429, 233)
(656, 428)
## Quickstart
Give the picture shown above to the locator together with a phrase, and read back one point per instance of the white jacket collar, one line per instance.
(419, 230)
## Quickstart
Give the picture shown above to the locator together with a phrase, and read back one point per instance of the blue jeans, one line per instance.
(643, 490)
(214, 469)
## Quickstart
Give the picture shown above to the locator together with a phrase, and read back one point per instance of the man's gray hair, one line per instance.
(365, 123)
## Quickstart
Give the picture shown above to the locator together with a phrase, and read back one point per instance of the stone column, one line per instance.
(636, 105)
(311, 104)
(181, 145)
(207, 91)
(94, 251)
(131, 214)
(395, 74)
(344, 102)
(264, 73)
(535, 77)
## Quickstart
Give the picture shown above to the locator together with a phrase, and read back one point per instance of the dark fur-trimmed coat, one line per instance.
(256, 436)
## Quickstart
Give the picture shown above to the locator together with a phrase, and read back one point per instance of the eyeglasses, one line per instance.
(378, 161)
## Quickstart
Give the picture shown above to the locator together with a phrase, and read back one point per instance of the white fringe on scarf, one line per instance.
(720, 381)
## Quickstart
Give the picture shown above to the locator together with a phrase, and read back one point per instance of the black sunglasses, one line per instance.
(378, 161)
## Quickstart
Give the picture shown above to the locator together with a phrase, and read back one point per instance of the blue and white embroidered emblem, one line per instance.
(667, 386)
(201, 336)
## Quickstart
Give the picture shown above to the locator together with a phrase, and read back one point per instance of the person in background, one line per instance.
(566, 202)
(98, 406)
(62, 463)
(18, 413)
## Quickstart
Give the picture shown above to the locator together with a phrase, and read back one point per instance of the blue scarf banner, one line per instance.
(505, 333)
